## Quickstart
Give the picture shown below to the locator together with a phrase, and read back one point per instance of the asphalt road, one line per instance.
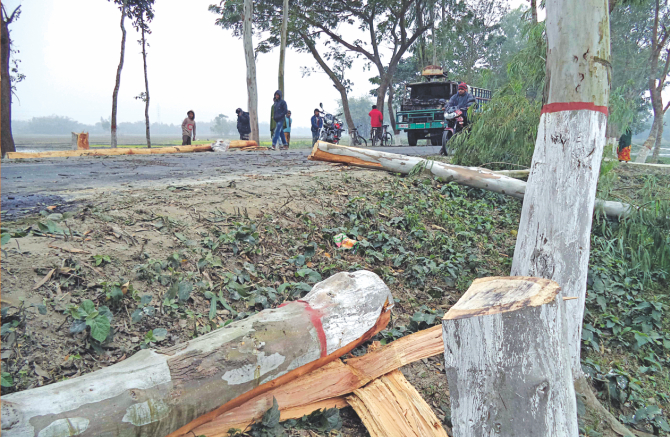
(28, 184)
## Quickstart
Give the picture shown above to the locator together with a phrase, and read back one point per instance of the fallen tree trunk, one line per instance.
(508, 362)
(326, 386)
(470, 176)
(155, 393)
(110, 152)
(391, 407)
(239, 144)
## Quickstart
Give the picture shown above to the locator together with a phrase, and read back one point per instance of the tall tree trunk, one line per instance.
(533, 11)
(659, 138)
(432, 34)
(649, 142)
(252, 90)
(146, 87)
(282, 48)
(396, 132)
(555, 228)
(333, 77)
(117, 85)
(6, 85)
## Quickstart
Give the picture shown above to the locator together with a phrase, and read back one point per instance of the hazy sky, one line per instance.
(69, 51)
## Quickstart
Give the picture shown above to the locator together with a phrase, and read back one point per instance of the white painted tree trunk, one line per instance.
(155, 393)
(282, 48)
(507, 361)
(470, 176)
(252, 90)
(555, 229)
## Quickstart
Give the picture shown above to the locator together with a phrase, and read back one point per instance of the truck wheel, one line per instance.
(435, 139)
(412, 138)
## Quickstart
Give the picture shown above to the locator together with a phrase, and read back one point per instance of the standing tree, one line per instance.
(282, 48)
(390, 28)
(6, 80)
(252, 91)
(143, 13)
(659, 54)
(555, 228)
(115, 95)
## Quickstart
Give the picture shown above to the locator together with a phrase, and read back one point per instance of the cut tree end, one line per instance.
(500, 294)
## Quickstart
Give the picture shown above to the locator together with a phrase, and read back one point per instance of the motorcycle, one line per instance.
(454, 123)
(332, 129)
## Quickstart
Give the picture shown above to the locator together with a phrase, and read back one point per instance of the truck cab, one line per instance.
(421, 114)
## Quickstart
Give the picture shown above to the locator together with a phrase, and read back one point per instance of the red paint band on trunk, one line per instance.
(572, 106)
(315, 318)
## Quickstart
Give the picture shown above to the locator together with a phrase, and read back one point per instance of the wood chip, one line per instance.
(69, 249)
(44, 279)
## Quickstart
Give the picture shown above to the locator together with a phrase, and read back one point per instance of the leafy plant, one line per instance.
(101, 259)
(143, 309)
(98, 320)
(153, 336)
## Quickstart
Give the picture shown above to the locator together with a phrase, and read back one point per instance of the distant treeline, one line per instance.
(59, 125)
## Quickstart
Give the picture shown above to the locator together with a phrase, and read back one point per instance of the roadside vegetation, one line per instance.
(199, 268)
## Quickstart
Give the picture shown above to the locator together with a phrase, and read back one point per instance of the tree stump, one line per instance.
(507, 360)
(155, 393)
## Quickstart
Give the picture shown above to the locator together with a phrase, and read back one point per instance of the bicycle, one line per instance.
(386, 138)
(357, 139)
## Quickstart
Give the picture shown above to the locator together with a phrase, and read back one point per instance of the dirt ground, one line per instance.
(105, 241)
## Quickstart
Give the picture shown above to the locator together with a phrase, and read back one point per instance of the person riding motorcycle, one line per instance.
(462, 100)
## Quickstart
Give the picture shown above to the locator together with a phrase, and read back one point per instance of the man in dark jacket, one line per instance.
(243, 126)
(317, 124)
(462, 100)
(279, 116)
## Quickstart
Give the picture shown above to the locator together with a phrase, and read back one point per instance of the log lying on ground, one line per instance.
(156, 393)
(469, 176)
(110, 152)
(240, 144)
(507, 360)
(326, 386)
(391, 407)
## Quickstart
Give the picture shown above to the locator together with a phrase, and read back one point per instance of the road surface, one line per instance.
(32, 183)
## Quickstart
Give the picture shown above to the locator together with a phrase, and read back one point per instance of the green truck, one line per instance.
(421, 114)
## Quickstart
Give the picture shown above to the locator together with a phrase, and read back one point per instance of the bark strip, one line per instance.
(328, 383)
(391, 407)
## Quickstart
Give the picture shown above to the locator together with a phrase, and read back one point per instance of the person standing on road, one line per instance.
(243, 126)
(188, 129)
(273, 123)
(287, 129)
(376, 120)
(280, 110)
(317, 124)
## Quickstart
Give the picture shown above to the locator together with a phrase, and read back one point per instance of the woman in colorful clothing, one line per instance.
(624, 146)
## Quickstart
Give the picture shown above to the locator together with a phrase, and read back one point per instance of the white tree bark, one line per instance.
(117, 84)
(155, 393)
(555, 229)
(507, 361)
(252, 89)
(470, 176)
(282, 48)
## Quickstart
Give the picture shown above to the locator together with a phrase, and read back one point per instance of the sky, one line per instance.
(69, 52)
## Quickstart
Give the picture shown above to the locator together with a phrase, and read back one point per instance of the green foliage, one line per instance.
(153, 336)
(503, 135)
(221, 125)
(101, 259)
(98, 320)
